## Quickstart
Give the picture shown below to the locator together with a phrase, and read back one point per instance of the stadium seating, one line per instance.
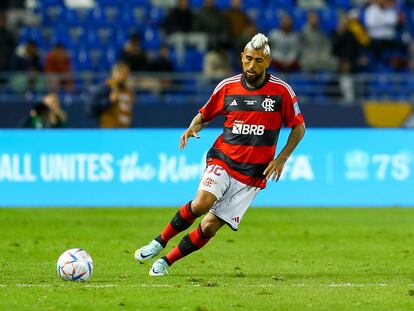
(110, 22)
(95, 36)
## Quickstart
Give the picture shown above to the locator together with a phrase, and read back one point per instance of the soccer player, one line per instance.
(241, 160)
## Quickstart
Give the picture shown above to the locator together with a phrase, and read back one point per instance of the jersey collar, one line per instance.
(243, 81)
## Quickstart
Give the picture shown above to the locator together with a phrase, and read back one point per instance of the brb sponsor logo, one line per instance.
(239, 127)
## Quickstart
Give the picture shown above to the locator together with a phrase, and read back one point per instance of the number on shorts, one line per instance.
(215, 169)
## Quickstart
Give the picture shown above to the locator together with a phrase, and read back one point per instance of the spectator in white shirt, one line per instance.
(382, 21)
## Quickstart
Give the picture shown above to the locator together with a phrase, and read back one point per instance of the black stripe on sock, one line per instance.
(161, 241)
(179, 223)
(166, 260)
(186, 246)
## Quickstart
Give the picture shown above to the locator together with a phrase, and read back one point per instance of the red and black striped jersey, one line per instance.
(254, 117)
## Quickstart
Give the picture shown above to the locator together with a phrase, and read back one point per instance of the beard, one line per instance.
(251, 77)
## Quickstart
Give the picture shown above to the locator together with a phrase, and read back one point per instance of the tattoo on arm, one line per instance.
(197, 124)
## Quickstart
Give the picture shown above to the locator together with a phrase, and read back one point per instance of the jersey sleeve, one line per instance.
(291, 111)
(213, 107)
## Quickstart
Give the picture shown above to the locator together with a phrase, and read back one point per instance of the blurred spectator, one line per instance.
(27, 63)
(39, 117)
(178, 19)
(7, 45)
(210, 20)
(46, 114)
(237, 19)
(133, 55)
(383, 20)
(355, 26)
(346, 47)
(311, 4)
(179, 31)
(216, 64)
(57, 116)
(162, 62)
(284, 46)
(241, 27)
(18, 16)
(112, 102)
(315, 47)
(27, 57)
(59, 69)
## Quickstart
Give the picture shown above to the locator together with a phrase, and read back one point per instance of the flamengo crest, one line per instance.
(268, 104)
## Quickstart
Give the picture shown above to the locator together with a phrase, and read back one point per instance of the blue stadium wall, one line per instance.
(144, 167)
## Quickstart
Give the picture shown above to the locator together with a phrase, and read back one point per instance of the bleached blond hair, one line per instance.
(259, 42)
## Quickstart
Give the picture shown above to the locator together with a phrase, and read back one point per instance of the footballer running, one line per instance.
(255, 105)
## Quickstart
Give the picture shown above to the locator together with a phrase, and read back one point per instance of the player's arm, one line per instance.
(275, 167)
(196, 125)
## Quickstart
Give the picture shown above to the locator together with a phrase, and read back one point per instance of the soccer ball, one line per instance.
(75, 265)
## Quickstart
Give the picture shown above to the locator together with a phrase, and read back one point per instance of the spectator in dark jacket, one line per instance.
(349, 52)
(211, 21)
(178, 19)
(345, 47)
(162, 63)
(179, 30)
(27, 62)
(27, 58)
(133, 55)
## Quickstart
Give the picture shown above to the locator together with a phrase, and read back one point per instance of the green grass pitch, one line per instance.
(280, 259)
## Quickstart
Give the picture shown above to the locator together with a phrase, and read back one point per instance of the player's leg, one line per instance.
(181, 221)
(191, 242)
(213, 184)
(229, 209)
(186, 215)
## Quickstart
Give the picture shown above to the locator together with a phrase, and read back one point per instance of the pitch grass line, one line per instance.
(200, 285)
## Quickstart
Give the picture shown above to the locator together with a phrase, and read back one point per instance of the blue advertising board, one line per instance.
(331, 167)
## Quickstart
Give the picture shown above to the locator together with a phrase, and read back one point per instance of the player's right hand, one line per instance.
(187, 134)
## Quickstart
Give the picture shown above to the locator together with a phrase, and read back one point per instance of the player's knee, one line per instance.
(202, 203)
(210, 225)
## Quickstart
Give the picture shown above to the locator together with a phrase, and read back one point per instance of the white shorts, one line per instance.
(233, 197)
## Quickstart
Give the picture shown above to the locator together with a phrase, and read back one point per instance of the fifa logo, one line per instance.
(357, 163)
(268, 104)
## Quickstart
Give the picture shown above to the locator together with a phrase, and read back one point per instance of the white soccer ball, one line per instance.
(75, 265)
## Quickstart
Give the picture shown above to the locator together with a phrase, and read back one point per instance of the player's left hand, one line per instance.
(274, 169)
(186, 135)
